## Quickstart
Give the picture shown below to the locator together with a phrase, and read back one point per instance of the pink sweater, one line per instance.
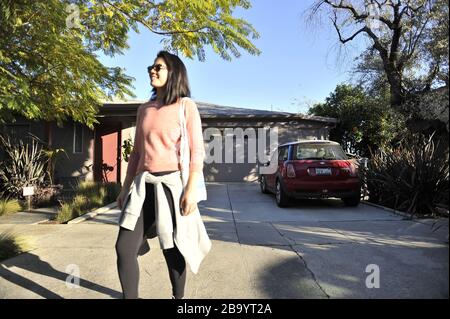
(158, 134)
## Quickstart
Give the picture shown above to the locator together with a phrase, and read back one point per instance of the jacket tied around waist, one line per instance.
(189, 235)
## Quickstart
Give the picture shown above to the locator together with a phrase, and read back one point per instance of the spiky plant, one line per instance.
(413, 177)
(24, 165)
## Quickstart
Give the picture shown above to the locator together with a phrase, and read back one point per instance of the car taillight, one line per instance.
(290, 171)
(351, 169)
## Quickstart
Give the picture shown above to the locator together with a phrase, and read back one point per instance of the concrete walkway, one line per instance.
(34, 216)
(315, 249)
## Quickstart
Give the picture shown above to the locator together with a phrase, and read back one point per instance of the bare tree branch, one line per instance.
(431, 76)
(377, 44)
(360, 16)
(415, 10)
(343, 41)
(348, 7)
(397, 28)
(419, 35)
(409, 10)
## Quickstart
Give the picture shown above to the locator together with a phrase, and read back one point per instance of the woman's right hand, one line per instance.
(121, 198)
(124, 191)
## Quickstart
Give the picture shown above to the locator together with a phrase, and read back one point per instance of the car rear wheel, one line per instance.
(263, 185)
(352, 201)
(281, 198)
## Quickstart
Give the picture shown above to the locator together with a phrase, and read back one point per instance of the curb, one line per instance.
(92, 214)
(387, 208)
(397, 212)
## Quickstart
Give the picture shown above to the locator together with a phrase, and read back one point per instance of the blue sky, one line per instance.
(299, 64)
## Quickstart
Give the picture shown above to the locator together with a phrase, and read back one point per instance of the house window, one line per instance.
(77, 138)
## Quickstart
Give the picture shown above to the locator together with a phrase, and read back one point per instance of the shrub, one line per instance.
(9, 206)
(414, 177)
(66, 213)
(80, 204)
(46, 195)
(12, 245)
(94, 192)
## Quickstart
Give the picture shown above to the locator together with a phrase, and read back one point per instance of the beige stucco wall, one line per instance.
(247, 171)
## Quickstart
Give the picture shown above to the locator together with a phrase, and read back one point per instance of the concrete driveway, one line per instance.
(314, 249)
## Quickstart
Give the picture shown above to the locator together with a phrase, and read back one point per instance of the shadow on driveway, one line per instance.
(33, 263)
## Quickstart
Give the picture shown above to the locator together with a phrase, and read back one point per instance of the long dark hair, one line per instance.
(177, 84)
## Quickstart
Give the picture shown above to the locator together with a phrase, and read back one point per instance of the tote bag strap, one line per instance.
(184, 126)
(185, 154)
(181, 118)
(184, 141)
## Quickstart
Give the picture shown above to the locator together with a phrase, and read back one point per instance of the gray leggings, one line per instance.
(129, 243)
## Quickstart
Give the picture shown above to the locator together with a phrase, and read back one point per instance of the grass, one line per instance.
(9, 206)
(89, 196)
(12, 245)
(66, 213)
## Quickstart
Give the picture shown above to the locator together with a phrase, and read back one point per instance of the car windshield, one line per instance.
(319, 152)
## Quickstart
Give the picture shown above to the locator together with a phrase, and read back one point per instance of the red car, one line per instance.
(312, 169)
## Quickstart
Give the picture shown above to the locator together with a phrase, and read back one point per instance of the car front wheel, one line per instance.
(280, 196)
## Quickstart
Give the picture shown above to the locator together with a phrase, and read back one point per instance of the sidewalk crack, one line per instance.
(304, 262)
(312, 274)
(232, 214)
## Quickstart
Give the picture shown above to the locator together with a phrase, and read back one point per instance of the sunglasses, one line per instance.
(157, 67)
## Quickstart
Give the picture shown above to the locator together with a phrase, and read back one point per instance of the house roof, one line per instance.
(209, 110)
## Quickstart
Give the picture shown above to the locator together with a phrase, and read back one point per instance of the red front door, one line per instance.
(107, 152)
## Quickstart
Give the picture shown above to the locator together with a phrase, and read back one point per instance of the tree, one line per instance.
(366, 123)
(409, 38)
(48, 66)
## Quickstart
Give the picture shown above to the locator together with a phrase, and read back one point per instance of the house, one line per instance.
(97, 154)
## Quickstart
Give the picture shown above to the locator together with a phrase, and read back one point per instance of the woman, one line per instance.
(167, 209)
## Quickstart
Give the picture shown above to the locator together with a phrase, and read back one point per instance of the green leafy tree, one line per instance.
(366, 123)
(48, 64)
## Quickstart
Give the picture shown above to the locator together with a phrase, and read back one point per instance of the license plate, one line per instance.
(323, 171)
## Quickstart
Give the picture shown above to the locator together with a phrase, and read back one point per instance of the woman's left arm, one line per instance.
(189, 199)
(197, 152)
